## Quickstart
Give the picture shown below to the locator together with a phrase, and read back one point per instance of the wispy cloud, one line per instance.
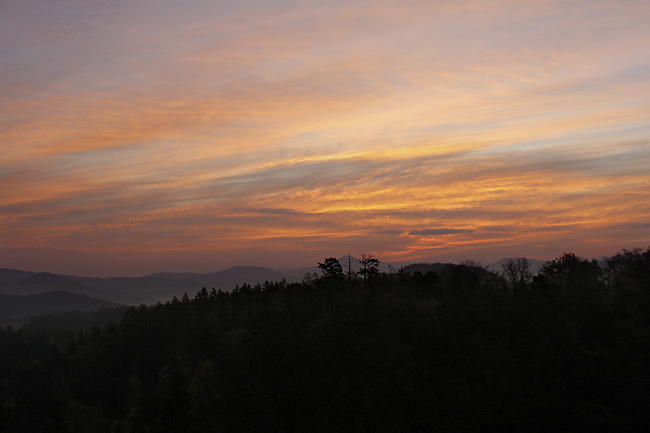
(439, 232)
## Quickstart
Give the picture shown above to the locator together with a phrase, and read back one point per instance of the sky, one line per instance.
(145, 136)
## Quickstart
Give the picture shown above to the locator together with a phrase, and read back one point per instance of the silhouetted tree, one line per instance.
(627, 277)
(517, 272)
(369, 267)
(572, 279)
(331, 269)
(202, 295)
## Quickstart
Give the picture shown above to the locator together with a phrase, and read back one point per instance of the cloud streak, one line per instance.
(438, 232)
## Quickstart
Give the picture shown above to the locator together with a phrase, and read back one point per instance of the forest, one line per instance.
(458, 349)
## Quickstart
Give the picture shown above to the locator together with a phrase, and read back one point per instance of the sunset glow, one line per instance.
(158, 135)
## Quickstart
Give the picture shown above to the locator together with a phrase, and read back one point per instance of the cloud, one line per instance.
(439, 232)
(391, 232)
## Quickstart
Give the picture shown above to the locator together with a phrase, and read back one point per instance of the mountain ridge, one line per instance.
(162, 286)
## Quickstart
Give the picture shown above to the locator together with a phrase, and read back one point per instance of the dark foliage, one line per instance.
(446, 350)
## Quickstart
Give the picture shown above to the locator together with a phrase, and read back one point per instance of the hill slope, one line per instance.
(15, 309)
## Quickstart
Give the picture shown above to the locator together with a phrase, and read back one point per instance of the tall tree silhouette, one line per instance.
(369, 267)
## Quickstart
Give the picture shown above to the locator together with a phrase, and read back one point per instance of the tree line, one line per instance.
(459, 349)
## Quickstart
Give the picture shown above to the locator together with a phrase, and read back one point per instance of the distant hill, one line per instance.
(10, 276)
(137, 290)
(44, 281)
(156, 287)
(173, 275)
(165, 285)
(14, 282)
(233, 276)
(15, 309)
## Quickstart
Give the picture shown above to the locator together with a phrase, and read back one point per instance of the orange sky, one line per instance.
(144, 136)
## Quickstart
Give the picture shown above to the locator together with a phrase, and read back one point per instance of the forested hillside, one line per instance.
(457, 349)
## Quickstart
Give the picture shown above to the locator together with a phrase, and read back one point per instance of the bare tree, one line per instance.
(517, 272)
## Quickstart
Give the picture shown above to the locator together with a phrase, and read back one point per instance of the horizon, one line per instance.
(297, 268)
(154, 136)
